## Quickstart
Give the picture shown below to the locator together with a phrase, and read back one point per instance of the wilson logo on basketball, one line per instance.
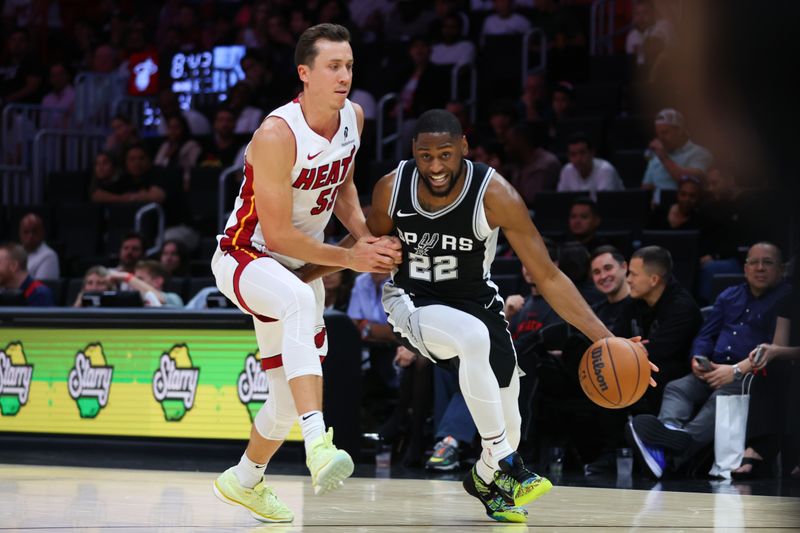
(175, 382)
(89, 380)
(252, 387)
(15, 379)
(597, 366)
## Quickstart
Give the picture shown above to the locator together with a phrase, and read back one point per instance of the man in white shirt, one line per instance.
(585, 172)
(645, 27)
(42, 260)
(504, 21)
(453, 49)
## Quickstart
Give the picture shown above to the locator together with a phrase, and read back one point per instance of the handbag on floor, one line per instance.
(730, 428)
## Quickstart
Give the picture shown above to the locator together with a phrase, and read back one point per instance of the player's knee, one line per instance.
(274, 422)
(302, 300)
(473, 339)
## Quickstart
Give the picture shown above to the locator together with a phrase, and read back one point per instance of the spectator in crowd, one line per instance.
(174, 258)
(366, 311)
(458, 108)
(123, 135)
(662, 312)
(684, 213)
(609, 270)
(501, 119)
(727, 224)
(562, 103)
(674, 155)
(137, 184)
(14, 276)
(148, 279)
(528, 315)
(504, 21)
(170, 105)
(178, 150)
(409, 19)
(338, 286)
(772, 417)
(649, 35)
(743, 317)
(573, 261)
(248, 118)
(131, 251)
(585, 172)
(20, 76)
(490, 153)
(533, 168)
(423, 86)
(220, 150)
(533, 101)
(268, 90)
(42, 260)
(104, 59)
(105, 173)
(61, 98)
(584, 220)
(255, 34)
(453, 48)
(451, 418)
(96, 279)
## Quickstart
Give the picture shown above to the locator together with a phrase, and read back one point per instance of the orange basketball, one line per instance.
(614, 372)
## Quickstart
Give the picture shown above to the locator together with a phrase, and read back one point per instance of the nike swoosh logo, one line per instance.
(401, 214)
(261, 466)
(310, 157)
(307, 417)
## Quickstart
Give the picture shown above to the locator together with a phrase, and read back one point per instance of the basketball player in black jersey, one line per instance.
(447, 211)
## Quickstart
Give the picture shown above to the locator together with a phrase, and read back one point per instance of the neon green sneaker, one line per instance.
(261, 500)
(518, 484)
(497, 508)
(329, 466)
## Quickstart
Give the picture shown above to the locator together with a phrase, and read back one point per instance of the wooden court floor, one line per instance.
(40, 498)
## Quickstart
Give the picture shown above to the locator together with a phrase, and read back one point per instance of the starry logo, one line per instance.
(89, 380)
(427, 242)
(15, 379)
(175, 382)
(252, 386)
(345, 132)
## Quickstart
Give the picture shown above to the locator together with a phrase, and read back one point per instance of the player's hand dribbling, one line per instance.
(653, 367)
(373, 254)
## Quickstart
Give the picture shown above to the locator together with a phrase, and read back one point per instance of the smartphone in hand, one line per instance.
(703, 362)
(759, 356)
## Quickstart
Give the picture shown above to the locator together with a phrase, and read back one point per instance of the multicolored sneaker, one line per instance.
(445, 455)
(493, 501)
(651, 455)
(329, 466)
(261, 500)
(519, 485)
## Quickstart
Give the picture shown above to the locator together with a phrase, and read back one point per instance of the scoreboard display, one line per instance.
(209, 72)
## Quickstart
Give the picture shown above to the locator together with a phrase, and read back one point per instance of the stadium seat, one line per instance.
(508, 284)
(119, 221)
(597, 99)
(631, 165)
(499, 61)
(200, 267)
(611, 69)
(683, 246)
(506, 265)
(629, 133)
(593, 127)
(79, 228)
(179, 286)
(74, 286)
(668, 197)
(622, 240)
(58, 287)
(624, 210)
(202, 199)
(195, 284)
(67, 187)
(551, 209)
(720, 282)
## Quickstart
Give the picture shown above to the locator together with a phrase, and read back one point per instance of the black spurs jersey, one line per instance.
(446, 254)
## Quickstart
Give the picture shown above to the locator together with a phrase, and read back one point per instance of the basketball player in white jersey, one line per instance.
(443, 304)
(298, 171)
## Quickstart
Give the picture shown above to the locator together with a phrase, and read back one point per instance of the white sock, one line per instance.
(248, 472)
(495, 449)
(312, 425)
(485, 472)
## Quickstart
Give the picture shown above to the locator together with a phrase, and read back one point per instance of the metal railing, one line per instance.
(601, 27)
(96, 98)
(526, 49)
(472, 98)
(138, 225)
(390, 138)
(61, 151)
(15, 185)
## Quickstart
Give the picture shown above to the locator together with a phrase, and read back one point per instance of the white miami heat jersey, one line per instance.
(319, 170)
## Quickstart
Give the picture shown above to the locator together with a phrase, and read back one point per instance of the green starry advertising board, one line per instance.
(131, 382)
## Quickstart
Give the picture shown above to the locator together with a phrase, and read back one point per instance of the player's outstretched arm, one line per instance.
(379, 223)
(505, 209)
(271, 153)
